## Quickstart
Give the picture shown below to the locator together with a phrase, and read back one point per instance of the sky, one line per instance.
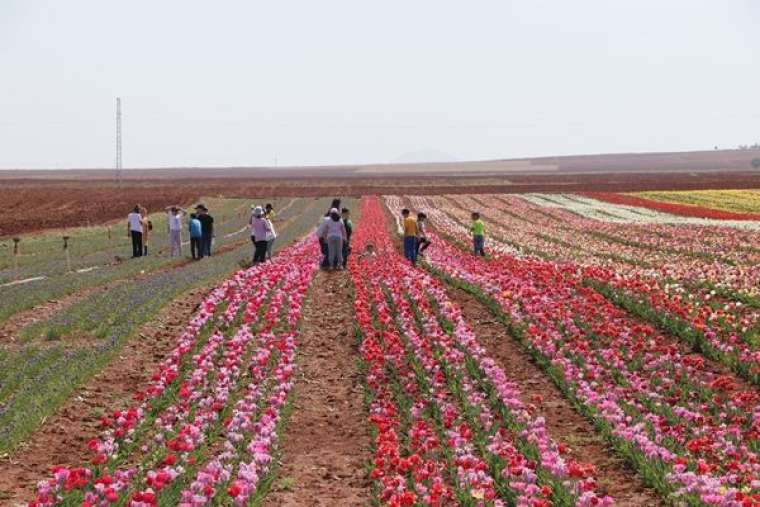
(259, 83)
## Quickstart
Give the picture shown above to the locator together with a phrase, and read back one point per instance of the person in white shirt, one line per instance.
(135, 231)
(175, 229)
(333, 231)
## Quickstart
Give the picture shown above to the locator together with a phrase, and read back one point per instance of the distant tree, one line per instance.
(756, 163)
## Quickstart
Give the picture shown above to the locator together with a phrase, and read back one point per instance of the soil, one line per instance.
(62, 439)
(326, 441)
(44, 199)
(31, 208)
(563, 422)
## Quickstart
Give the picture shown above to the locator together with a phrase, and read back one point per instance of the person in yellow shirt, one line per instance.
(478, 230)
(410, 236)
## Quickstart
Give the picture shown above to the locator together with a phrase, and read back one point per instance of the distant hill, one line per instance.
(430, 164)
(422, 156)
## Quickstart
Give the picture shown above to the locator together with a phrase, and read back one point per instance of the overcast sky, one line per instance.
(321, 82)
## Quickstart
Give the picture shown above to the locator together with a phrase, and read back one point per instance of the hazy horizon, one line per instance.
(338, 83)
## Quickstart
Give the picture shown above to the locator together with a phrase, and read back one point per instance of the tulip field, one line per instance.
(605, 351)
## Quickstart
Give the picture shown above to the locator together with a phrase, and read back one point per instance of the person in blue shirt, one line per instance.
(195, 236)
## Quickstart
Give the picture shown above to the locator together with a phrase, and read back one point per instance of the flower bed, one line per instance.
(205, 429)
(690, 428)
(450, 426)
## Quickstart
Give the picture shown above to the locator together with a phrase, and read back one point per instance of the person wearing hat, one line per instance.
(322, 241)
(259, 233)
(207, 228)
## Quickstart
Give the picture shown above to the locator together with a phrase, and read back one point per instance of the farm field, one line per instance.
(605, 351)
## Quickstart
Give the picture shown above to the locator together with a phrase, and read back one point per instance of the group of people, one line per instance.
(200, 227)
(416, 240)
(334, 234)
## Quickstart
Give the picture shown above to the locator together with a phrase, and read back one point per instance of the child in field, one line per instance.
(410, 236)
(478, 230)
(422, 240)
(195, 237)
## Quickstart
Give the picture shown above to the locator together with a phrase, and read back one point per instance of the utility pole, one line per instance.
(118, 140)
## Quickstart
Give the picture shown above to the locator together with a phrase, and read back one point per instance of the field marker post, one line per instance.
(15, 256)
(109, 234)
(68, 255)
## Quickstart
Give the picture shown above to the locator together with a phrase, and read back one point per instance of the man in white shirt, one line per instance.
(175, 229)
(135, 231)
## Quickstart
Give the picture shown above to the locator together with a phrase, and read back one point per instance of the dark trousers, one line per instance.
(410, 248)
(260, 254)
(323, 248)
(196, 250)
(137, 246)
(206, 243)
(346, 252)
(478, 244)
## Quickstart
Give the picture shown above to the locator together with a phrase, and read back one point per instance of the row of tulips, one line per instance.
(674, 208)
(742, 201)
(449, 424)
(719, 324)
(690, 427)
(721, 256)
(205, 428)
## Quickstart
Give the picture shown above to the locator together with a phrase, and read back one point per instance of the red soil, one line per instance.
(35, 200)
(43, 205)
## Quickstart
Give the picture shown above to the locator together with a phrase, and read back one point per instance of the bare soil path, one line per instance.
(562, 421)
(326, 442)
(62, 439)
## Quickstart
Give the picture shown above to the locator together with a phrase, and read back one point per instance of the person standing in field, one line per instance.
(322, 241)
(147, 226)
(207, 229)
(478, 230)
(422, 240)
(410, 236)
(135, 231)
(196, 237)
(349, 225)
(175, 214)
(334, 233)
(269, 215)
(259, 231)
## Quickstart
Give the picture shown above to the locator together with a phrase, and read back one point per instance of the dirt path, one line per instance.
(62, 439)
(562, 421)
(326, 441)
